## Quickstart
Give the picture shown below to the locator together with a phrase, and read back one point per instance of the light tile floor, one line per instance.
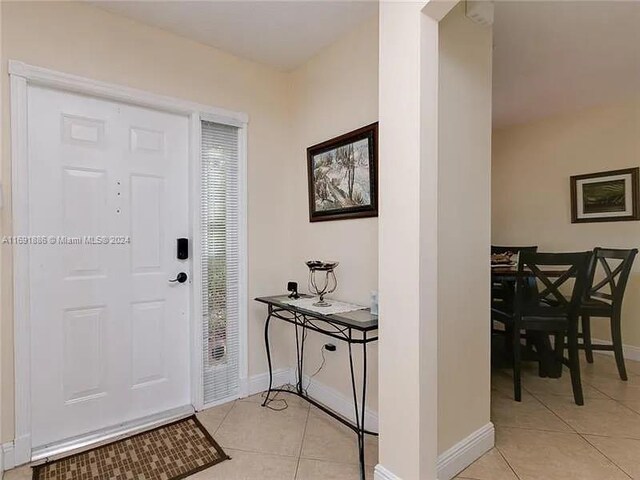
(545, 437)
(548, 437)
(300, 442)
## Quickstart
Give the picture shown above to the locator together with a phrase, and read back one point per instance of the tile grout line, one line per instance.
(257, 452)
(304, 434)
(606, 456)
(549, 409)
(507, 462)
(544, 430)
(588, 382)
(223, 418)
(584, 437)
(609, 397)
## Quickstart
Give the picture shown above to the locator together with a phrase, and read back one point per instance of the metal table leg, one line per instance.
(266, 345)
(359, 411)
(300, 340)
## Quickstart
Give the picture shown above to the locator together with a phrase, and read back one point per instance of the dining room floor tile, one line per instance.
(596, 417)
(491, 466)
(547, 436)
(538, 455)
(530, 413)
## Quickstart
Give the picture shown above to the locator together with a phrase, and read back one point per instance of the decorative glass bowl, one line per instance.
(322, 280)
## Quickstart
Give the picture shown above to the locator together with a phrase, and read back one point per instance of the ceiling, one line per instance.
(554, 57)
(283, 34)
(549, 57)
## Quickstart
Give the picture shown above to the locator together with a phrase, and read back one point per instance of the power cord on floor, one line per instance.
(283, 405)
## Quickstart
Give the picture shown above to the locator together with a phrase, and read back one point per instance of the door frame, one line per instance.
(22, 76)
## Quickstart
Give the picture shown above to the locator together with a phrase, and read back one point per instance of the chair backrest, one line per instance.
(551, 284)
(613, 276)
(497, 250)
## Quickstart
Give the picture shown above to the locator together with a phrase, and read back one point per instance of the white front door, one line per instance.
(109, 332)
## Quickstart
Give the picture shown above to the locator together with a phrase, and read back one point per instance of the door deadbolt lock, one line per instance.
(180, 278)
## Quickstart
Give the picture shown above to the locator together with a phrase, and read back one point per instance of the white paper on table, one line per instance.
(335, 307)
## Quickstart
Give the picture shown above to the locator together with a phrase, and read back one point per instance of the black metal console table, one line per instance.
(358, 327)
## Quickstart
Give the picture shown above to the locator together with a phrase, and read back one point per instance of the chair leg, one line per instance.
(616, 337)
(558, 345)
(574, 365)
(586, 338)
(517, 360)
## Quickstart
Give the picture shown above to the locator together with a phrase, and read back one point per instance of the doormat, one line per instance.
(170, 452)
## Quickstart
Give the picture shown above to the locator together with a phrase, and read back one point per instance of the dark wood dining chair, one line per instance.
(549, 291)
(608, 275)
(501, 291)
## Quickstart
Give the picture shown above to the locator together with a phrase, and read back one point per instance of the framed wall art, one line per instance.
(343, 176)
(605, 196)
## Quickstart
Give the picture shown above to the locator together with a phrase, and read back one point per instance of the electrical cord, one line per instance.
(324, 360)
(283, 405)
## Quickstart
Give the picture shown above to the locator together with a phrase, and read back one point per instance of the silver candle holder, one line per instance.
(322, 280)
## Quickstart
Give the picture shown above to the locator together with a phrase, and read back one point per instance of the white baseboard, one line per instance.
(8, 456)
(328, 396)
(457, 458)
(630, 352)
(340, 403)
(381, 473)
(260, 383)
(465, 452)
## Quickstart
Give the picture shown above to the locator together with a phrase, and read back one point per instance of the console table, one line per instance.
(358, 327)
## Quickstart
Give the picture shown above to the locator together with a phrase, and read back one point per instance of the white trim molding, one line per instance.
(8, 456)
(329, 397)
(259, 383)
(382, 473)
(74, 83)
(457, 458)
(630, 352)
(338, 402)
(465, 452)
(23, 75)
(21, 297)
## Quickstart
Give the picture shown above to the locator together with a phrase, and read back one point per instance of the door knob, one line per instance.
(180, 278)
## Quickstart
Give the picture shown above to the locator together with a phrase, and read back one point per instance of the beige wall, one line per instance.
(83, 40)
(464, 219)
(531, 167)
(335, 92)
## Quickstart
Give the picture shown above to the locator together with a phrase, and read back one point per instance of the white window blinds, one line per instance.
(220, 204)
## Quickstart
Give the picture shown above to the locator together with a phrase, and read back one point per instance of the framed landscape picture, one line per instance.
(605, 196)
(343, 176)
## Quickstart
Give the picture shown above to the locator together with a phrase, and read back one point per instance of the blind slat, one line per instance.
(220, 262)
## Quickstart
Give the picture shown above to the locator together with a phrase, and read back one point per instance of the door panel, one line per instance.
(109, 333)
(147, 212)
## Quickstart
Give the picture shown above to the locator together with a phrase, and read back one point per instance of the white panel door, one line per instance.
(109, 332)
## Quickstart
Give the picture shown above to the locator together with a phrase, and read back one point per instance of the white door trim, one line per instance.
(21, 76)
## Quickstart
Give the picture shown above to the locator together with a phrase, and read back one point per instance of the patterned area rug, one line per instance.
(169, 452)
